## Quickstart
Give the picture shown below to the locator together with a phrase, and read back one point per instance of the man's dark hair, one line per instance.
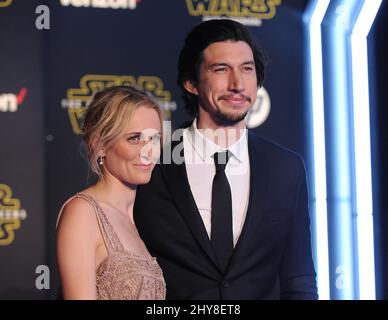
(198, 39)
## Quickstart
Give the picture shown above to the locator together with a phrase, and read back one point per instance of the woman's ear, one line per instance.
(190, 87)
(96, 144)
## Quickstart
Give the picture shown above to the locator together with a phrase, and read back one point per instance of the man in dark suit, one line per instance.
(228, 218)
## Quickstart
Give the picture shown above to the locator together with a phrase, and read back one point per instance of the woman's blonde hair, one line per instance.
(107, 116)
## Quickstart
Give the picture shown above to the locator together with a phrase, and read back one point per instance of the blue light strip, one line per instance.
(313, 17)
(339, 148)
(363, 179)
(341, 187)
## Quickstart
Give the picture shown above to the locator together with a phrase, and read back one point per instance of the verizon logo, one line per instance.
(10, 102)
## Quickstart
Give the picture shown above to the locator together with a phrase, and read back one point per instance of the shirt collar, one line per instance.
(205, 148)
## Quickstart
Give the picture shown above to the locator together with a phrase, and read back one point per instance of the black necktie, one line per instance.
(221, 215)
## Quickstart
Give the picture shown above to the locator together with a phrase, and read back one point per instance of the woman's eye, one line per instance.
(156, 138)
(139, 138)
(134, 139)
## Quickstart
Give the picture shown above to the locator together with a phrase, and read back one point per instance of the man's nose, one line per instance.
(236, 82)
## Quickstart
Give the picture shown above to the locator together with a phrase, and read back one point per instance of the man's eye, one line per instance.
(220, 70)
(248, 68)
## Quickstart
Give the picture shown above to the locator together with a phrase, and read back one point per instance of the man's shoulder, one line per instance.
(273, 150)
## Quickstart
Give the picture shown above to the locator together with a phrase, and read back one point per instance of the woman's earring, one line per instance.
(100, 160)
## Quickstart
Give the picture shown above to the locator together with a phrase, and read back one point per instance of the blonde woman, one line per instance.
(99, 251)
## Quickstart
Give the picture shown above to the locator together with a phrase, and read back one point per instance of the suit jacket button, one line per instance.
(225, 284)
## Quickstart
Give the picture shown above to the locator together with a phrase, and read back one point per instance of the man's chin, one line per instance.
(231, 118)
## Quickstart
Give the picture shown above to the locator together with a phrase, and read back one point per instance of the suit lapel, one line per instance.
(257, 194)
(177, 181)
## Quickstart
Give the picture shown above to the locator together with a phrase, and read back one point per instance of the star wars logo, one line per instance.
(248, 12)
(11, 215)
(5, 3)
(10, 102)
(104, 4)
(78, 99)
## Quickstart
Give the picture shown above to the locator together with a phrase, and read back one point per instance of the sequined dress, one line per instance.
(123, 275)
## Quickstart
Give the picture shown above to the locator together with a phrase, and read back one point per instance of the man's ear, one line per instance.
(190, 87)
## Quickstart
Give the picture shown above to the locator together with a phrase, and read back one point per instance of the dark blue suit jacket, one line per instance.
(272, 258)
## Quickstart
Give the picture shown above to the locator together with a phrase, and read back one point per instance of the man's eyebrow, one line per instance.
(249, 62)
(218, 64)
(223, 64)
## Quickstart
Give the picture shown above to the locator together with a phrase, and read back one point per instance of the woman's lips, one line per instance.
(143, 166)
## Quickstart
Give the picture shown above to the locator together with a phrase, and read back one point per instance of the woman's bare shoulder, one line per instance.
(78, 212)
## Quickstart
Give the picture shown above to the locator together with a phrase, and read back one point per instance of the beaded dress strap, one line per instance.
(112, 241)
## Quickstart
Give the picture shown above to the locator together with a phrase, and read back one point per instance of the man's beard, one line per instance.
(229, 118)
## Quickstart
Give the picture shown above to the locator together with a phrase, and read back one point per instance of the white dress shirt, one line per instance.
(198, 152)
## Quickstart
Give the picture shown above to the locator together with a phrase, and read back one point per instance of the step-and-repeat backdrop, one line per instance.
(54, 55)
